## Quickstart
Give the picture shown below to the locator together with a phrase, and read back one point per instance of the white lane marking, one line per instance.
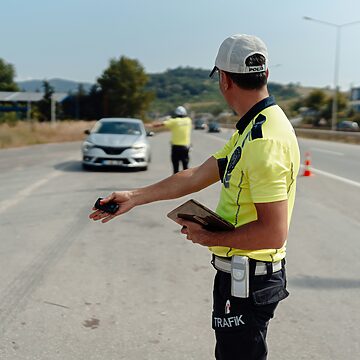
(24, 193)
(324, 173)
(328, 151)
(335, 177)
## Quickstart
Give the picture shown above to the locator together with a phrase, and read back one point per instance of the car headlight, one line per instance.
(87, 145)
(139, 146)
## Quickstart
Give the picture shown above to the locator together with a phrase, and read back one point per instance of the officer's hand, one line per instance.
(196, 233)
(154, 124)
(123, 198)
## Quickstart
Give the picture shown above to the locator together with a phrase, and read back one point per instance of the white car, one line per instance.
(117, 142)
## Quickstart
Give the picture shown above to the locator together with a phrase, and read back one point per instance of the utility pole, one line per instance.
(337, 62)
(53, 110)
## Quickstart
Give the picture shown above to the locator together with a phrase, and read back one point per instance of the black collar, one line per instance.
(258, 107)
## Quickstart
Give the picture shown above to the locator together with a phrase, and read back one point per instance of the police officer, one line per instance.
(180, 127)
(258, 168)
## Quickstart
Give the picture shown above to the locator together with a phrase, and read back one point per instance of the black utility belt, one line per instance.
(239, 269)
(180, 146)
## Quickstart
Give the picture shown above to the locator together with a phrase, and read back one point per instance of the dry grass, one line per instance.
(25, 133)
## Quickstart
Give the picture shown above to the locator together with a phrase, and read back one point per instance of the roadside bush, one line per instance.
(9, 118)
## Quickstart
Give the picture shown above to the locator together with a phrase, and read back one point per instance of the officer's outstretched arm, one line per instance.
(178, 185)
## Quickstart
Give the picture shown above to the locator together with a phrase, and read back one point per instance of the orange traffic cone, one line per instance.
(307, 171)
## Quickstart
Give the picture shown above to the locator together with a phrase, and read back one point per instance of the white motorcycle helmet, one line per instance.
(180, 111)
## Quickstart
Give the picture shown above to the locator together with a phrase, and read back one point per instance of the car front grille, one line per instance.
(101, 160)
(113, 150)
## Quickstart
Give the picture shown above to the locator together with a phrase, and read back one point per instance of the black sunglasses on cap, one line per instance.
(213, 71)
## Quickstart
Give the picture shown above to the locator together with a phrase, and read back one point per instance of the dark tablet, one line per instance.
(194, 211)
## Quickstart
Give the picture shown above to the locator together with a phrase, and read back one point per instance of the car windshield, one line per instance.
(119, 128)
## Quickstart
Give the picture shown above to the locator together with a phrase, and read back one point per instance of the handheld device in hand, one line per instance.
(194, 211)
(110, 207)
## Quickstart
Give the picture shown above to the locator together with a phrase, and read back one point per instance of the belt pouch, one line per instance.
(240, 276)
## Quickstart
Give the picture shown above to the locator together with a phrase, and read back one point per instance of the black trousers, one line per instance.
(179, 154)
(241, 324)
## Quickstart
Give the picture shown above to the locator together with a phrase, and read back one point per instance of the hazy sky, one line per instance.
(75, 39)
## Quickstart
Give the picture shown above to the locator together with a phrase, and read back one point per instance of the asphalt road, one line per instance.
(135, 288)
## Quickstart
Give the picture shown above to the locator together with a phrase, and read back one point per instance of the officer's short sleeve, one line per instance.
(225, 151)
(267, 165)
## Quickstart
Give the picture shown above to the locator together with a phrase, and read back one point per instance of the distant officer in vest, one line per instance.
(180, 126)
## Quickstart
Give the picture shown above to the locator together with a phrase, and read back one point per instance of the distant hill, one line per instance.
(193, 88)
(187, 86)
(59, 85)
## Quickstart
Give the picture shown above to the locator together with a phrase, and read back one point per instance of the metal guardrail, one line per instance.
(341, 136)
(352, 137)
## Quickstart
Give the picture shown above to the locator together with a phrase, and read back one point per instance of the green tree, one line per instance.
(7, 74)
(316, 100)
(79, 101)
(123, 89)
(44, 105)
(342, 104)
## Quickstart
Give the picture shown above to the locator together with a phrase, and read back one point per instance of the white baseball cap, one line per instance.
(235, 50)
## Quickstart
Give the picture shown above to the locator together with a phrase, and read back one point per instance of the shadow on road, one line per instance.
(76, 166)
(324, 283)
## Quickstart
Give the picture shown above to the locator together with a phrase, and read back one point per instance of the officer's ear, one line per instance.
(225, 80)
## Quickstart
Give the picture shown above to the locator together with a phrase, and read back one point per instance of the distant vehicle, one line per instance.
(199, 124)
(347, 125)
(117, 142)
(214, 127)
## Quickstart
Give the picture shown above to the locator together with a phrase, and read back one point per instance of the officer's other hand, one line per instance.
(196, 233)
(123, 198)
